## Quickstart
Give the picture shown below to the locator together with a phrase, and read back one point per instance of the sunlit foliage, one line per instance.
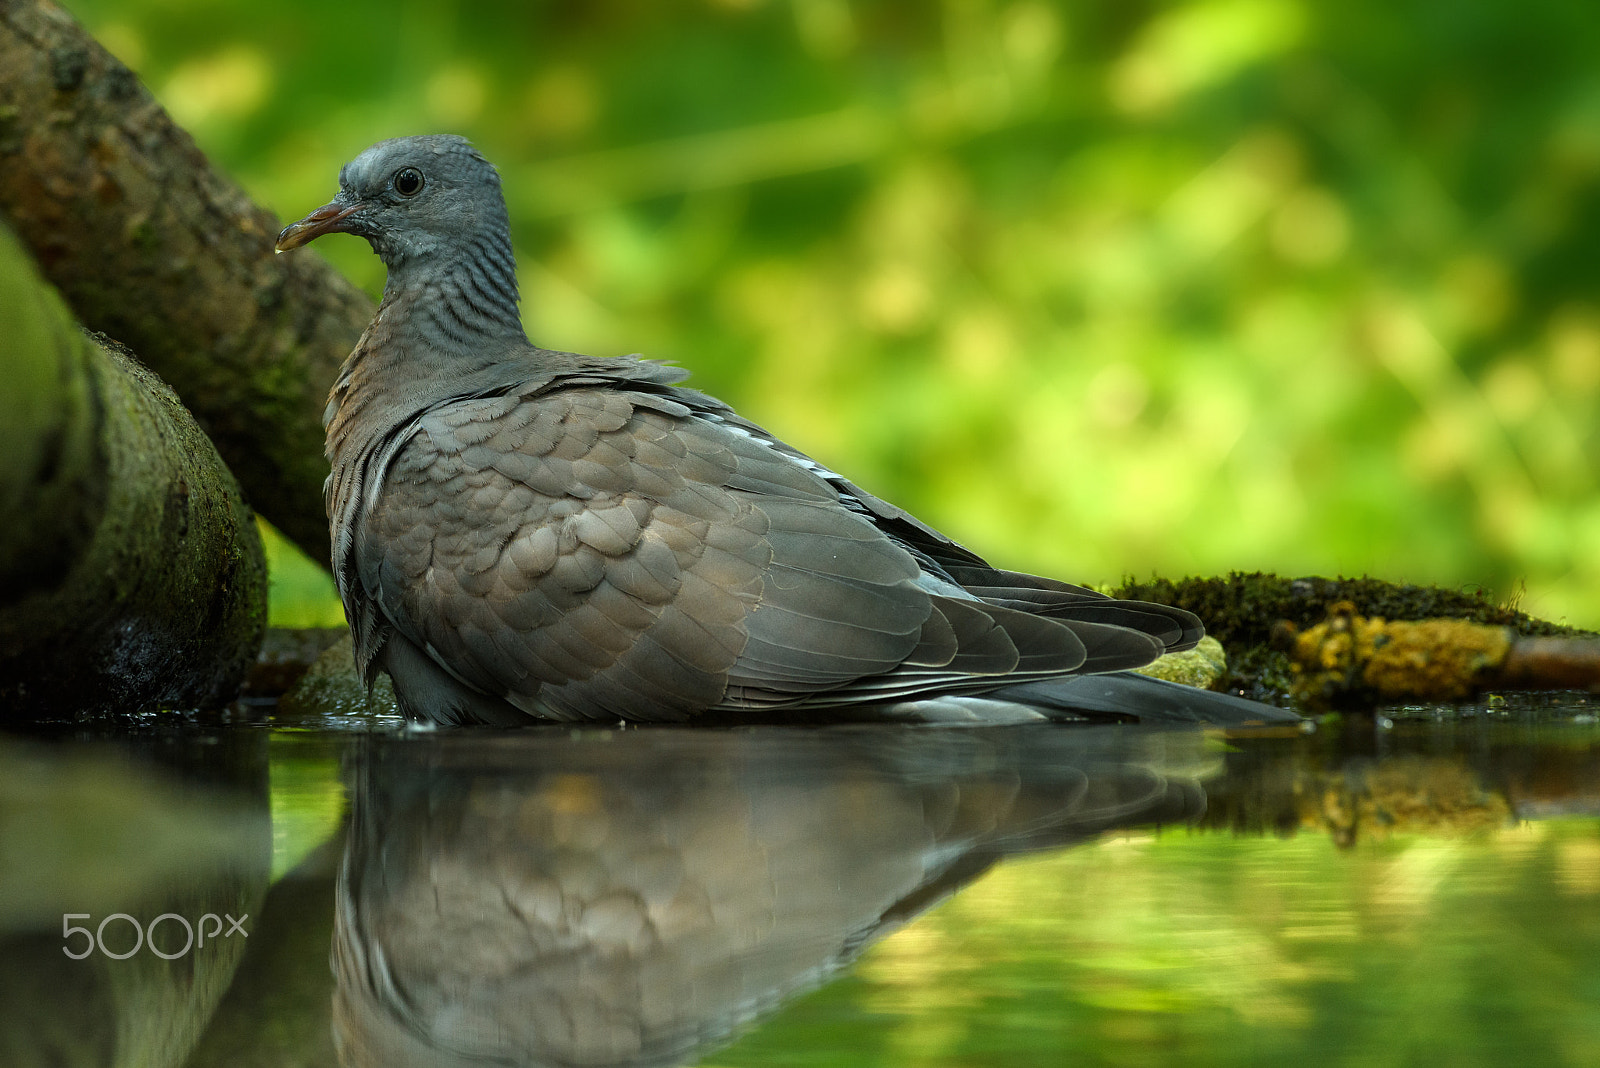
(1100, 288)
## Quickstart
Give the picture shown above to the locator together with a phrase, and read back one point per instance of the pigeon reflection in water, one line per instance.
(634, 899)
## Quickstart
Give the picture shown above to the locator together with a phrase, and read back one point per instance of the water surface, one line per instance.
(1417, 889)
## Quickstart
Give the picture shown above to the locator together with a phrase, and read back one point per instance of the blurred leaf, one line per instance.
(1098, 288)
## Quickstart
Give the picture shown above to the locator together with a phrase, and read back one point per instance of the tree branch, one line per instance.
(151, 245)
(131, 573)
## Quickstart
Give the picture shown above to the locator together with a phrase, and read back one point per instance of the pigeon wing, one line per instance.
(586, 552)
(1115, 631)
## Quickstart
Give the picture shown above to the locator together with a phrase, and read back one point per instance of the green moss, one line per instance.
(1242, 610)
(1201, 666)
(333, 688)
(139, 580)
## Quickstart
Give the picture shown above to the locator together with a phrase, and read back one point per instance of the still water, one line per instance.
(1421, 889)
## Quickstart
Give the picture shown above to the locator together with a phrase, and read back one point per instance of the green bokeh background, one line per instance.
(1100, 288)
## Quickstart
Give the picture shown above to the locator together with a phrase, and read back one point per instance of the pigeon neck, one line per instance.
(461, 299)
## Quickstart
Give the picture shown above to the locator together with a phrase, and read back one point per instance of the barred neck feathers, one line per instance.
(457, 300)
(433, 211)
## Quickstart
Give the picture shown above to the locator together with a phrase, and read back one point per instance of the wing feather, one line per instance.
(592, 551)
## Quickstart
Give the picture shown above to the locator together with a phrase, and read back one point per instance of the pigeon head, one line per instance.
(428, 198)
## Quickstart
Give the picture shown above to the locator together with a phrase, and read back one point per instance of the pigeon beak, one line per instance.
(328, 219)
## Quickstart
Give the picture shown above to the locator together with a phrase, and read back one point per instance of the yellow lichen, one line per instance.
(1353, 656)
(1434, 660)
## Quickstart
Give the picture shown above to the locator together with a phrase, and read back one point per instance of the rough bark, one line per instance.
(151, 245)
(131, 572)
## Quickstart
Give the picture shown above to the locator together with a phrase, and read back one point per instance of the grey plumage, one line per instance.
(524, 532)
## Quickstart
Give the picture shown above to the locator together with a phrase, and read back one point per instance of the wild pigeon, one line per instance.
(521, 533)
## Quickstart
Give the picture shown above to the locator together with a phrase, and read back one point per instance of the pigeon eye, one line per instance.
(408, 181)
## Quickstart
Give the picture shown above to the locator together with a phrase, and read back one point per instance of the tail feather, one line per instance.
(1139, 698)
(1176, 628)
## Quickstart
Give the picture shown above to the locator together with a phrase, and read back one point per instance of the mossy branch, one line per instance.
(152, 246)
(131, 572)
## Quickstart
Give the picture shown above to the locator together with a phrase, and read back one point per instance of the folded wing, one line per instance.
(592, 553)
